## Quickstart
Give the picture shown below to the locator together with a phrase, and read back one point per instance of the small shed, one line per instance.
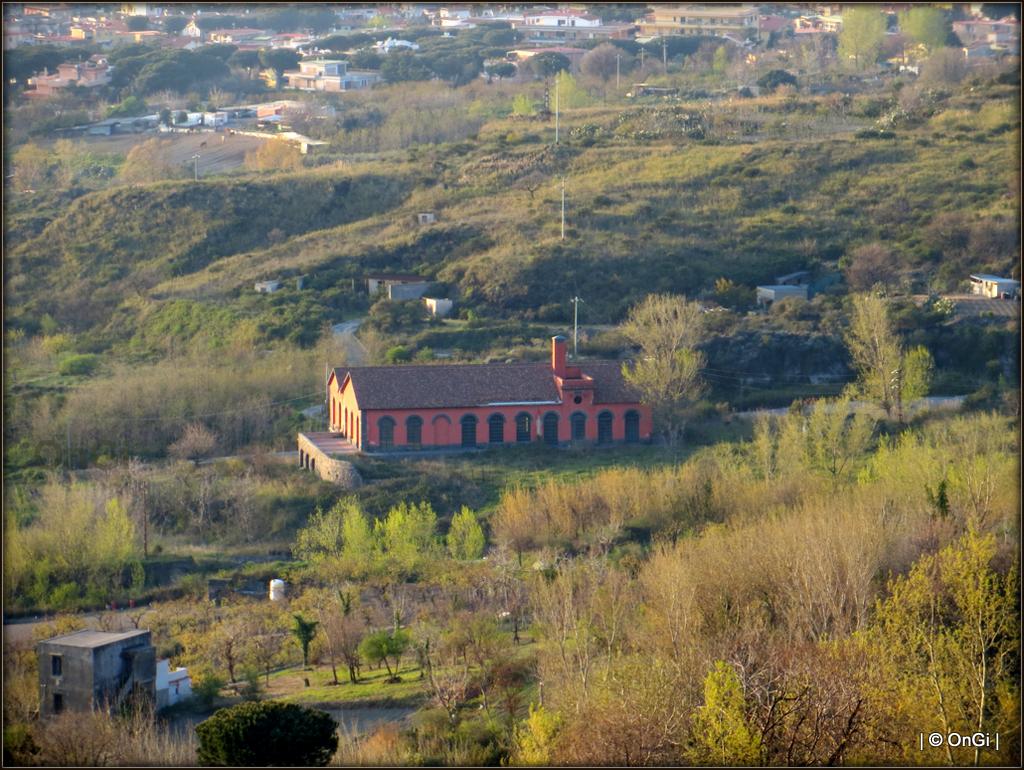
(438, 308)
(994, 287)
(215, 119)
(426, 218)
(87, 670)
(766, 295)
(399, 291)
(267, 287)
(382, 282)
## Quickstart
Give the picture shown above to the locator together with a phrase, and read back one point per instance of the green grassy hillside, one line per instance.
(652, 204)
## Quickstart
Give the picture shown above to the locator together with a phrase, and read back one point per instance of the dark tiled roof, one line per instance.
(449, 386)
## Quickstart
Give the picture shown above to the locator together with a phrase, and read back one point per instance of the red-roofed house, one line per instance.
(382, 408)
(540, 26)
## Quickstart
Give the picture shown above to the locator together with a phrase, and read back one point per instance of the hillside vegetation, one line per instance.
(797, 182)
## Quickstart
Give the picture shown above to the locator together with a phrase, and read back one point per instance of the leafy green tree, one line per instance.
(666, 374)
(523, 105)
(137, 23)
(32, 164)
(947, 642)
(502, 70)
(836, 438)
(720, 60)
(544, 65)
(404, 65)
(770, 81)
(279, 60)
(321, 539)
(570, 95)
(267, 733)
(722, 734)
(926, 25)
(360, 550)
(173, 25)
(862, 35)
(886, 374)
(366, 59)
(406, 537)
(304, 631)
(537, 736)
(385, 647)
(465, 536)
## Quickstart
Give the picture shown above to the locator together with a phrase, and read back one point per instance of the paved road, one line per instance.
(354, 349)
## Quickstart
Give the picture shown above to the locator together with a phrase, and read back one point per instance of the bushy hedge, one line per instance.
(267, 733)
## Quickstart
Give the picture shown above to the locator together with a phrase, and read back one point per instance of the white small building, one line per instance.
(993, 286)
(426, 218)
(766, 295)
(267, 287)
(438, 308)
(171, 686)
(215, 119)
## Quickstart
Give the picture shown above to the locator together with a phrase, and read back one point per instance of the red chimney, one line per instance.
(558, 355)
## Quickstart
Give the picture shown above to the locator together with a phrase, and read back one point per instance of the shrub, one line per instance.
(267, 733)
(78, 364)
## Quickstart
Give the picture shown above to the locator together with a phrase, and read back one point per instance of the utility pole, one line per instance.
(69, 442)
(196, 159)
(642, 52)
(617, 58)
(556, 109)
(563, 208)
(575, 324)
(664, 54)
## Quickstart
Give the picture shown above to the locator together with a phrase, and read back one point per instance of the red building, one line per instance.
(474, 405)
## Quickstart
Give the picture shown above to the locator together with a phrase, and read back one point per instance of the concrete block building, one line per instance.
(87, 670)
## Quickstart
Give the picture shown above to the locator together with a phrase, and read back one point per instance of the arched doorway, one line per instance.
(414, 431)
(578, 422)
(468, 430)
(551, 429)
(604, 428)
(632, 427)
(496, 429)
(386, 430)
(523, 427)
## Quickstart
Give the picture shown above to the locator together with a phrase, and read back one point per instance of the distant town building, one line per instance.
(384, 283)
(554, 26)
(391, 44)
(89, 74)
(172, 687)
(267, 287)
(1001, 36)
(328, 75)
(438, 308)
(90, 670)
(426, 218)
(994, 287)
(737, 21)
(766, 295)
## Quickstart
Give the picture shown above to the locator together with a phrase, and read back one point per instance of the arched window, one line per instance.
(632, 427)
(523, 427)
(468, 430)
(579, 426)
(386, 429)
(604, 428)
(496, 429)
(551, 429)
(414, 431)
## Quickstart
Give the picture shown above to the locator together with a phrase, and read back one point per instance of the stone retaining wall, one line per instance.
(340, 472)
